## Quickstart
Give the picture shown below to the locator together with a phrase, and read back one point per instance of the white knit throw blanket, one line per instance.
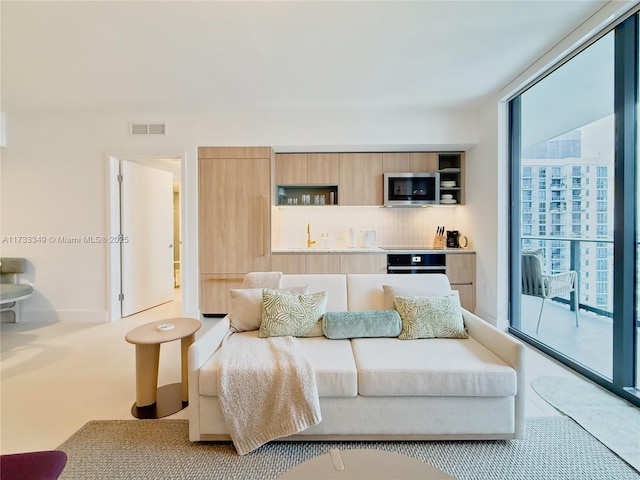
(266, 389)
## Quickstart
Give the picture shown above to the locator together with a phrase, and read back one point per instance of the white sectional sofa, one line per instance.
(386, 388)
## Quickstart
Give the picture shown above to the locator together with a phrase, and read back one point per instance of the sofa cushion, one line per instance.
(332, 361)
(246, 306)
(430, 367)
(370, 323)
(365, 291)
(334, 284)
(430, 317)
(285, 314)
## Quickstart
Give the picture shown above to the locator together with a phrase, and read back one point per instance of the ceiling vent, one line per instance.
(148, 129)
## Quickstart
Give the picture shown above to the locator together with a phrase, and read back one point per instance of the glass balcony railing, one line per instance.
(578, 254)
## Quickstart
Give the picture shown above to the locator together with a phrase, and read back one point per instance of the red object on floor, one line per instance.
(45, 465)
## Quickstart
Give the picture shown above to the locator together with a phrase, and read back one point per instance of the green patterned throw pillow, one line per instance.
(296, 315)
(430, 317)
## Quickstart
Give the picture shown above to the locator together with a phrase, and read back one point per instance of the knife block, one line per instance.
(438, 241)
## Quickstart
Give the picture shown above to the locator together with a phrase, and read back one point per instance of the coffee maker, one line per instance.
(453, 239)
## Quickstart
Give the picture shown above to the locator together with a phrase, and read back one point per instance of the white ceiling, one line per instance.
(203, 56)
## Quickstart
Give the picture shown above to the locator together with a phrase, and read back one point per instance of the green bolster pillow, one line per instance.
(372, 323)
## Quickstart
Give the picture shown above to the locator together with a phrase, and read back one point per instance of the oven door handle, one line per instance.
(417, 267)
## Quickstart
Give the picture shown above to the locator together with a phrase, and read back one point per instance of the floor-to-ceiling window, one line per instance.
(574, 204)
(637, 233)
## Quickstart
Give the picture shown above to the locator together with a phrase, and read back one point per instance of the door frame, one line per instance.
(114, 256)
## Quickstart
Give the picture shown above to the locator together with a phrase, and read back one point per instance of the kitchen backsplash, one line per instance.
(402, 227)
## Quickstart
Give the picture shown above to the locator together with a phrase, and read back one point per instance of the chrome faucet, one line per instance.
(309, 241)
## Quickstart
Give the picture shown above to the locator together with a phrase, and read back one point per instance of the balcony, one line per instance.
(591, 343)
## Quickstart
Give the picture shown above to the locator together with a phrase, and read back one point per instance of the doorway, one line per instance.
(145, 217)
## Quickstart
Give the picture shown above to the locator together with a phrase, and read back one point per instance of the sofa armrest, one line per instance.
(510, 350)
(201, 350)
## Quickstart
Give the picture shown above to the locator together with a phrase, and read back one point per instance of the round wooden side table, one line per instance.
(364, 464)
(151, 401)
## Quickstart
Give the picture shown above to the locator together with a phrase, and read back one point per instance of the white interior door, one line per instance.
(147, 226)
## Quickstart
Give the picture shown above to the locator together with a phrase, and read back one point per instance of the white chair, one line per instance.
(12, 288)
(536, 284)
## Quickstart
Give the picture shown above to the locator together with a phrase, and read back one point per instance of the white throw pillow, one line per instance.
(246, 306)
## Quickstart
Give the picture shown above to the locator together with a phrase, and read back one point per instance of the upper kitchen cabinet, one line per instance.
(409, 162)
(361, 179)
(451, 166)
(291, 169)
(307, 178)
(323, 169)
(234, 209)
(307, 169)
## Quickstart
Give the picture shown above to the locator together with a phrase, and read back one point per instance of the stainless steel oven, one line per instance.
(416, 263)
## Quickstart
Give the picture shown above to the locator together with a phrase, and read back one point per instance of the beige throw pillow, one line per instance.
(296, 315)
(246, 307)
(431, 317)
(391, 292)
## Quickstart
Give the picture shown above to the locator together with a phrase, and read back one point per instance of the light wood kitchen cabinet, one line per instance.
(363, 263)
(234, 219)
(214, 293)
(322, 263)
(307, 169)
(360, 179)
(289, 263)
(291, 169)
(461, 270)
(409, 162)
(323, 169)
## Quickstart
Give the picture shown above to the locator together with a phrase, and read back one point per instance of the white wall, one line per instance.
(53, 179)
(54, 168)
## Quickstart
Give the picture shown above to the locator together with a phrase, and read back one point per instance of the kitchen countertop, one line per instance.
(329, 250)
(373, 250)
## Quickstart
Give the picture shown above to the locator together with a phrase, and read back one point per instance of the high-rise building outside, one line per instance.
(567, 208)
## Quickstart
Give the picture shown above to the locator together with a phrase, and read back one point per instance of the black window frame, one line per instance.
(625, 342)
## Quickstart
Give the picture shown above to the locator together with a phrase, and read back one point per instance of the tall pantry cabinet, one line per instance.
(234, 217)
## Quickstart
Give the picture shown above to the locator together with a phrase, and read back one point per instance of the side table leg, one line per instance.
(147, 362)
(185, 343)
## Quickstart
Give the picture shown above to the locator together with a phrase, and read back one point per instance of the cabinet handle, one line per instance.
(263, 227)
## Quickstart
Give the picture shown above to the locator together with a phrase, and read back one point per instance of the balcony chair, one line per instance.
(12, 289)
(536, 284)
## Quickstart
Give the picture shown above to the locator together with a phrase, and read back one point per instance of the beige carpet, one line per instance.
(553, 448)
(613, 421)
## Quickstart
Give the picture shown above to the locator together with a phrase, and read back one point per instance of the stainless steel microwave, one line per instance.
(411, 189)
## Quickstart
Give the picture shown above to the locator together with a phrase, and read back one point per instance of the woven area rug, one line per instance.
(553, 448)
(612, 420)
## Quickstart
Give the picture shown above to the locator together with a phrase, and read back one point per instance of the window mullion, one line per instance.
(624, 299)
